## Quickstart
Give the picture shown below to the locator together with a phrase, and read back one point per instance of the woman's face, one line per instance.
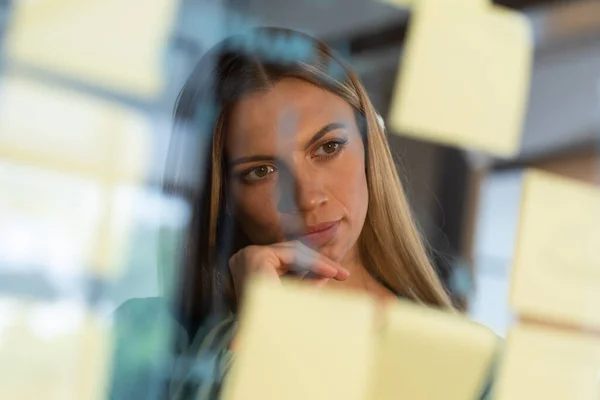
(297, 168)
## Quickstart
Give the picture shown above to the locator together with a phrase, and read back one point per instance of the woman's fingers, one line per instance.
(278, 259)
(297, 257)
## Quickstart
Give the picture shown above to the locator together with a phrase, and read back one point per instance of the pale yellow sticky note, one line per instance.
(52, 351)
(298, 343)
(464, 76)
(63, 130)
(109, 43)
(425, 354)
(70, 162)
(556, 271)
(542, 363)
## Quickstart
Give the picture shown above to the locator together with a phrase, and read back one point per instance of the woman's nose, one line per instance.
(301, 191)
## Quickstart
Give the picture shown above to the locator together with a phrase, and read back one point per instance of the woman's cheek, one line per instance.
(349, 178)
(257, 214)
(349, 187)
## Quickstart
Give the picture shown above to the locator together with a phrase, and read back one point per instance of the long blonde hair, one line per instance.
(390, 245)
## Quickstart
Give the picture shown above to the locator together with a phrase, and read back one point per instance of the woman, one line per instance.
(299, 181)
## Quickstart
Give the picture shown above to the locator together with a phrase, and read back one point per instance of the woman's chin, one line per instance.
(330, 251)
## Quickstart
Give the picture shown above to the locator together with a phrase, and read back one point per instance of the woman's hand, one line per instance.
(281, 258)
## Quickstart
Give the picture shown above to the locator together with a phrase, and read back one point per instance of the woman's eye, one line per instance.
(259, 173)
(328, 149)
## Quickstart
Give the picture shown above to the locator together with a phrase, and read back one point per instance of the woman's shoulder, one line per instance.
(140, 310)
(144, 318)
(144, 333)
(149, 322)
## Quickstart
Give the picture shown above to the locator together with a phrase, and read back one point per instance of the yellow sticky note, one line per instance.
(464, 76)
(109, 43)
(425, 354)
(64, 130)
(70, 162)
(297, 343)
(556, 271)
(52, 351)
(541, 363)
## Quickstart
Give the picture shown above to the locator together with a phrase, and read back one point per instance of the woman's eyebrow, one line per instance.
(243, 160)
(323, 131)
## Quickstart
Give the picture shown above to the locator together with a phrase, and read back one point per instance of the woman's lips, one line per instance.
(320, 234)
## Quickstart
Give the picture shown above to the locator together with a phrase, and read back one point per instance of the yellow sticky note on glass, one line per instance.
(297, 343)
(542, 363)
(300, 343)
(109, 43)
(72, 132)
(425, 354)
(556, 271)
(73, 167)
(54, 351)
(464, 76)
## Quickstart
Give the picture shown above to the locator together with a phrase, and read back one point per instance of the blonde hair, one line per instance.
(390, 245)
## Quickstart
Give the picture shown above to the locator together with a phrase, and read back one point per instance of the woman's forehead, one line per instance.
(291, 111)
